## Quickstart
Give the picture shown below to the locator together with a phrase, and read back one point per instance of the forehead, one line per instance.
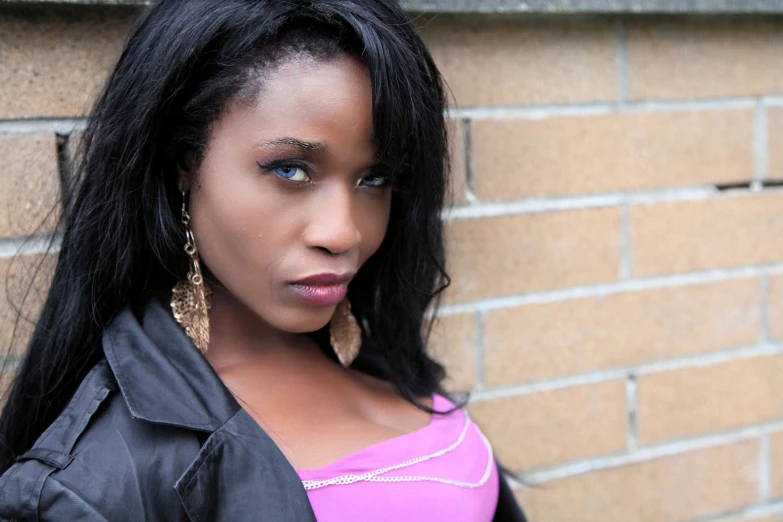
(314, 100)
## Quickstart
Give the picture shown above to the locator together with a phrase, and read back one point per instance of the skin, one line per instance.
(258, 232)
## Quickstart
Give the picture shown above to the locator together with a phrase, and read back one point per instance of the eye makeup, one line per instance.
(374, 180)
(300, 172)
(295, 171)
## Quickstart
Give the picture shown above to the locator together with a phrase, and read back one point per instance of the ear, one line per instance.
(186, 172)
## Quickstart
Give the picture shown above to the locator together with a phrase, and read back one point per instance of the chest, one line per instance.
(316, 432)
(318, 417)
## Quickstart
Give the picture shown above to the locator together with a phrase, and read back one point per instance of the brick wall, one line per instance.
(617, 315)
(616, 243)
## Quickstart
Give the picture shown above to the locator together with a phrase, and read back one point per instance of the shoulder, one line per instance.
(95, 462)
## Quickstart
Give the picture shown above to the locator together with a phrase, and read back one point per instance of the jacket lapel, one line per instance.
(163, 377)
(239, 473)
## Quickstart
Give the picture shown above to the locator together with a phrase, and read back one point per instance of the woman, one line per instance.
(250, 245)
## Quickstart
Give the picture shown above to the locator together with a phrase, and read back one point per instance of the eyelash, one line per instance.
(274, 165)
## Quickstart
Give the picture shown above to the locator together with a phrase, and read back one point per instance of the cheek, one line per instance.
(372, 224)
(233, 222)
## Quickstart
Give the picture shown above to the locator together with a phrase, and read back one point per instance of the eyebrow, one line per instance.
(313, 146)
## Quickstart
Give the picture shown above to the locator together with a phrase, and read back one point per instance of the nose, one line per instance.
(333, 226)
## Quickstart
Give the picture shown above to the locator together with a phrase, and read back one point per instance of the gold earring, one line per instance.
(345, 334)
(190, 301)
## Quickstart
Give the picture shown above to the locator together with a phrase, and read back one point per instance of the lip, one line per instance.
(323, 289)
(326, 279)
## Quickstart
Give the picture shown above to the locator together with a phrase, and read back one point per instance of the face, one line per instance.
(289, 200)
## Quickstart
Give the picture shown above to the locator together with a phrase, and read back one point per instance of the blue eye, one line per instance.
(292, 173)
(374, 181)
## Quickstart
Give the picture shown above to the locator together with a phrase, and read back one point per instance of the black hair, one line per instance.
(122, 241)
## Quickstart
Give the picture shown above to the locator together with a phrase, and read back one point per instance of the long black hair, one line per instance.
(122, 241)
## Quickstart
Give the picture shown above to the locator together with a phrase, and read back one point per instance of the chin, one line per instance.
(305, 322)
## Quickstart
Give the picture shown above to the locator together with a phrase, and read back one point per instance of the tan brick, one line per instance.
(701, 58)
(775, 142)
(674, 488)
(510, 63)
(459, 172)
(551, 340)
(53, 65)
(517, 158)
(776, 464)
(30, 184)
(516, 254)
(540, 429)
(720, 232)
(718, 397)
(452, 344)
(16, 274)
(775, 307)
(758, 518)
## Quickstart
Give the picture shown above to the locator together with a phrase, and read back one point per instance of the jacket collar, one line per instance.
(239, 473)
(162, 376)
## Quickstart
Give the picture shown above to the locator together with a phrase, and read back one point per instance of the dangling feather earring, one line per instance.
(345, 334)
(190, 301)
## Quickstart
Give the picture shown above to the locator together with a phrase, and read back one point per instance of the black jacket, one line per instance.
(153, 434)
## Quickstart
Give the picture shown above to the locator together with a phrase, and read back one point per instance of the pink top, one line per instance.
(444, 471)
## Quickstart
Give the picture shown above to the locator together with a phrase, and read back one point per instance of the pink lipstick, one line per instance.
(323, 289)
